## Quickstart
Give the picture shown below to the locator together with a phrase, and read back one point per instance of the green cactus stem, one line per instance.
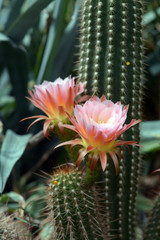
(111, 62)
(152, 229)
(69, 135)
(71, 208)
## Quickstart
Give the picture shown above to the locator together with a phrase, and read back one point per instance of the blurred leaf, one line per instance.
(150, 17)
(66, 46)
(153, 62)
(151, 146)
(25, 21)
(139, 233)
(144, 204)
(12, 196)
(150, 130)
(15, 7)
(54, 37)
(7, 105)
(35, 202)
(47, 232)
(150, 136)
(12, 149)
(15, 59)
(5, 86)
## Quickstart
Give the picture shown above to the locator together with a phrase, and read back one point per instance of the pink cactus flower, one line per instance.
(99, 123)
(55, 99)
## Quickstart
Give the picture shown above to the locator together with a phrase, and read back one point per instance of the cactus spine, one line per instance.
(13, 229)
(71, 208)
(111, 62)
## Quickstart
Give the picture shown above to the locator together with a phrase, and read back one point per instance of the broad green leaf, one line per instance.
(12, 149)
(25, 21)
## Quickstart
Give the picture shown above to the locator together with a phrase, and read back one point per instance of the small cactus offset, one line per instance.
(111, 62)
(152, 229)
(71, 209)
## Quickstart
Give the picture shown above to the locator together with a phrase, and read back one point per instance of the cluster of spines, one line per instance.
(86, 29)
(11, 229)
(152, 229)
(116, 67)
(71, 208)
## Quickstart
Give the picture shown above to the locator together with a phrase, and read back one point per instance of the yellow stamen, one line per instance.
(55, 182)
(128, 63)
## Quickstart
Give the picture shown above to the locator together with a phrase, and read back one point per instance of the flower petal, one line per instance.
(103, 159)
(81, 155)
(115, 160)
(37, 116)
(45, 127)
(94, 160)
(72, 142)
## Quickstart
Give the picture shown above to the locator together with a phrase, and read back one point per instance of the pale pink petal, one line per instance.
(90, 148)
(94, 160)
(37, 120)
(81, 156)
(51, 99)
(155, 171)
(61, 128)
(37, 116)
(126, 127)
(82, 99)
(70, 99)
(103, 159)
(45, 127)
(119, 143)
(69, 127)
(72, 142)
(118, 152)
(115, 160)
(103, 98)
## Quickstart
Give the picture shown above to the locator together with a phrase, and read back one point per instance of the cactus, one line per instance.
(70, 207)
(152, 229)
(111, 62)
(12, 229)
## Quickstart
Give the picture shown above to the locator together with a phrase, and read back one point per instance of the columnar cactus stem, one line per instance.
(152, 229)
(71, 207)
(111, 61)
